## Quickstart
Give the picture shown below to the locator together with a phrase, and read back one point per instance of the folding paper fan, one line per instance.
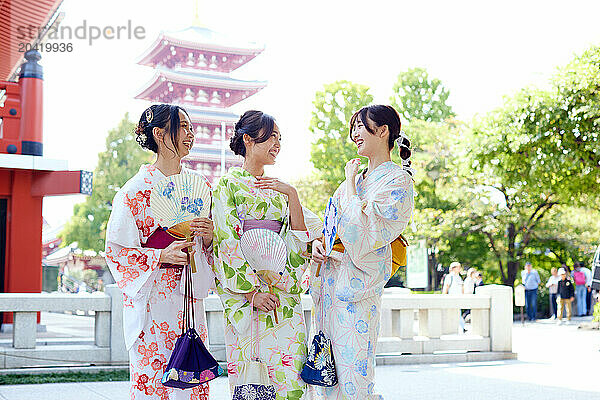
(178, 199)
(266, 253)
(329, 229)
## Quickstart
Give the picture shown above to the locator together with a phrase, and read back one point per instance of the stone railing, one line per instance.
(414, 328)
(108, 345)
(418, 328)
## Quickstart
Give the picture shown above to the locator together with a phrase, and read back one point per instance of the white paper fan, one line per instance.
(266, 253)
(180, 198)
(264, 250)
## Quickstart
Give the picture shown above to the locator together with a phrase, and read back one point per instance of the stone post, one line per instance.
(501, 307)
(118, 351)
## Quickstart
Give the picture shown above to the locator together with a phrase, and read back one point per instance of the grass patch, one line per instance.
(102, 376)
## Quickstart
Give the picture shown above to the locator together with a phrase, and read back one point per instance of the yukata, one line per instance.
(152, 296)
(282, 346)
(347, 294)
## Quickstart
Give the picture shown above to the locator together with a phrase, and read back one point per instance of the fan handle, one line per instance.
(275, 309)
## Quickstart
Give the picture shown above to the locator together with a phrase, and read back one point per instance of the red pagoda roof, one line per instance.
(195, 88)
(15, 14)
(171, 48)
(211, 115)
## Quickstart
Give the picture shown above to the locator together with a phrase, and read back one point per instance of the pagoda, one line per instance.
(193, 70)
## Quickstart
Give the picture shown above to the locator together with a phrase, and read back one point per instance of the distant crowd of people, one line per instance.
(570, 289)
(565, 287)
(453, 283)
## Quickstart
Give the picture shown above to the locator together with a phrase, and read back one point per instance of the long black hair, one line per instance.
(163, 116)
(256, 124)
(383, 115)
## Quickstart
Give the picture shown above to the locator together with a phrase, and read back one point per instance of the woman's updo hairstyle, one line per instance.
(163, 116)
(385, 115)
(256, 124)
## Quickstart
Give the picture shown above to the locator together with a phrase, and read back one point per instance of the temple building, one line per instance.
(193, 69)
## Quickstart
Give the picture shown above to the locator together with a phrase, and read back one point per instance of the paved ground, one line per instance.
(555, 363)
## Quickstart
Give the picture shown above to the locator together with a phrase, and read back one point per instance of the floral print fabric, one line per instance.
(152, 297)
(352, 283)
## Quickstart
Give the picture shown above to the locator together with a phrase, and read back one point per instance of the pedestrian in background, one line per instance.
(469, 288)
(531, 281)
(469, 283)
(552, 286)
(583, 280)
(565, 295)
(453, 283)
(478, 279)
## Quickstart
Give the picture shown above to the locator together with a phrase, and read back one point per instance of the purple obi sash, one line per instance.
(269, 224)
(160, 239)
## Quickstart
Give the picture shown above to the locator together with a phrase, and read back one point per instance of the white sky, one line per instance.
(481, 50)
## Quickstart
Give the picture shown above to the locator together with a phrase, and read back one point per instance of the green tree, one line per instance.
(314, 192)
(441, 154)
(550, 139)
(416, 96)
(118, 163)
(333, 108)
(540, 150)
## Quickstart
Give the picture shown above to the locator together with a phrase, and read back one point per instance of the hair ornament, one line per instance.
(400, 140)
(149, 115)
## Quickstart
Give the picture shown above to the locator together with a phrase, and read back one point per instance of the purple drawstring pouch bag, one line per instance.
(190, 364)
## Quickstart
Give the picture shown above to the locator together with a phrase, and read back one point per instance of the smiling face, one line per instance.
(185, 138)
(266, 152)
(186, 135)
(367, 143)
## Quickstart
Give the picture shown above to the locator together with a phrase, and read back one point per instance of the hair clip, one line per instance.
(149, 115)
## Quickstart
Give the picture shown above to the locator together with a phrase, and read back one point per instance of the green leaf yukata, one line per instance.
(283, 345)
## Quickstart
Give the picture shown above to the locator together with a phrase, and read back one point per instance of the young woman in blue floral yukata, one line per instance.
(245, 199)
(374, 207)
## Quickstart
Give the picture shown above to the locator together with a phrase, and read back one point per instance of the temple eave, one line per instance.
(164, 42)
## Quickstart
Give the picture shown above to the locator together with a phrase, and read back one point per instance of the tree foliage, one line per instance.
(416, 96)
(537, 152)
(333, 108)
(518, 184)
(118, 163)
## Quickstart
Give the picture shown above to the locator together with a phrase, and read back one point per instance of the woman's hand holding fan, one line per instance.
(329, 234)
(319, 255)
(177, 253)
(203, 227)
(263, 301)
(266, 253)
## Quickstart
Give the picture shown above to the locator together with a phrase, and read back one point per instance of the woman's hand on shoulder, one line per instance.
(264, 182)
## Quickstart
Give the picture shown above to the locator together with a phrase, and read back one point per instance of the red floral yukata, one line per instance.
(152, 296)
